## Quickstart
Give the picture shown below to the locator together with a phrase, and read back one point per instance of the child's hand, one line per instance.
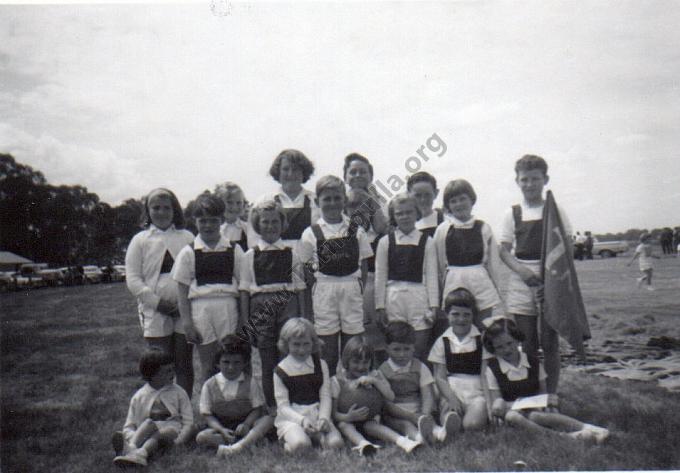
(381, 317)
(529, 277)
(166, 307)
(498, 410)
(241, 430)
(357, 414)
(323, 425)
(308, 426)
(192, 334)
(366, 380)
(228, 434)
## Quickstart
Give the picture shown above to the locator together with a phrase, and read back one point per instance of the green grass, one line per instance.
(69, 367)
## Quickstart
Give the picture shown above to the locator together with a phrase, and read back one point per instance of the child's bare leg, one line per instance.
(381, 432)
(206, 355)
(210, 438)
(516, 419)
(527, 325)
(260, 428)
(475, 415)
(296, 439)
(329, 351)
(551, 357)
(402, 426)
(394, 411)
(184, 366)
(143, 433)
(350, 431)
(422, 344)
(648, 276)
(269, 357)
(331, 439)
(163, 436)
(556, 421)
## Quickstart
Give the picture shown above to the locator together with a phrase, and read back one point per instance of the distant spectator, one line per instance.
(676, 240)
(666, 239)
(579, 246)
(589, 245)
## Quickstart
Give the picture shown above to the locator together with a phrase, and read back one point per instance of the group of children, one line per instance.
(239, 291)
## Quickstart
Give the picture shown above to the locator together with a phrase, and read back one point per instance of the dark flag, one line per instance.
(563, 308)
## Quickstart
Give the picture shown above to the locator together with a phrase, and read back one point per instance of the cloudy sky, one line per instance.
(122, 99)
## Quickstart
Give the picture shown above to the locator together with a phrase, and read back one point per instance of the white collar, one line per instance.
(154, 229)
(474, 332)
(323, 223)
(415, 233)
(307, 363)
(460, 223)
(222, 244)
(277, 245)
(395, 367)
(506, 367)
(222, 381)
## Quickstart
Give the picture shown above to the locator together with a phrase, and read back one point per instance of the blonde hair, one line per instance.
(329, 182)
(402, 199)
(297, 327)
(227, 189)
(267, 205)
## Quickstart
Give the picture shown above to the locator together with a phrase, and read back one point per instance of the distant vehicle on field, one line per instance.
(609, 249)
(118, 272)
(92, 274)
(52, 277)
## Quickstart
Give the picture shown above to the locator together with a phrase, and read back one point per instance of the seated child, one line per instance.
(207, 274)
(159, 414)
(512, 374)
(406, 285)
(272, 288)
(411, 381)
(233, 229)
(457, 357)
(356, 382)
(232, 402)
(302, 390)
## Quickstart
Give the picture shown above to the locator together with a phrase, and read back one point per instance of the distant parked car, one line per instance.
(118, 272)
(71, 276)
(52, 277)
(92, 274)
(609, 249)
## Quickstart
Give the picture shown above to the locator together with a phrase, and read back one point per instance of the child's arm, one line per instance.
(527, 275)
(187, 414)
(378, 381)
(135, 281)
(635, 255)
(493, 262)
(354, 414)
(244, 427)
(185, 314)
(214, 423)
(431, 277)
(379, 220)
(283, 404)
(441, 378)
(133, 419)
(325, 401)
(380, 285)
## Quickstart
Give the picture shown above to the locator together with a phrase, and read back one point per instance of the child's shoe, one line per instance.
(439, 433)
(600, 433)
(408, 445)
(425, 426)
(134, 458)
(650, 288)
(366, 449)
(583, 434)
(225, 451)
(451, 424)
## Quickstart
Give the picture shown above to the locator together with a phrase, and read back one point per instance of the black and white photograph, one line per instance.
(300, 236)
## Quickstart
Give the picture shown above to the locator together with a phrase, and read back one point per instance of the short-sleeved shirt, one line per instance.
(234, 232)
(335, 383)
(248, 281)
(514, 373)
(333, 230)
(184, 270)
(507, 234)
(468, 344)
(425, 373)
(229, 389)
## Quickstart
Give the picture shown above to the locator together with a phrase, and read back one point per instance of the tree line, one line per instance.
(68, 225)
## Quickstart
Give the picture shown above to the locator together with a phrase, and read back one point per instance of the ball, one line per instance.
(362, 396)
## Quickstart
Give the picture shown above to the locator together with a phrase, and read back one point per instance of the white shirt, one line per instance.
(507, 234)
(286, 411)
(229, 390)
(425, 373)
(287, 203)
(249, 283)
(184, 270)
(235, 231)
(333, 230)
(428, 222)
(382, 267)
(513, 373)
(143, 261)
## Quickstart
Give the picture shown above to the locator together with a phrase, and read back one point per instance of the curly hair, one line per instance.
(296, 159)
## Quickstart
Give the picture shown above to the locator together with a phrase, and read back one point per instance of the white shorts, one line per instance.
(467, 388)
(283, 424)
(520, 298)
(338, 306)
(408, 303)
(214, 317)
(475, 279)
(154, 324)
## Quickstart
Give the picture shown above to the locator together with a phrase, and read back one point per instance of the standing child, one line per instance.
(302, 390)
(159, 414)
(338, 251)
(467, 251)
(423, 187)
(645, 253)
(411, 381)
(521, 241)
(233, 229)
(457, 357)
(148, 263)
(207, 275)
(272, 288)
(512, 374)
(406, 285)
(358, 394)
(232, 402)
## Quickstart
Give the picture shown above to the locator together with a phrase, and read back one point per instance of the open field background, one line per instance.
(69, 367)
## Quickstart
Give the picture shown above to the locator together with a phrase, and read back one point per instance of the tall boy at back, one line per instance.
(337, 249)
(521, 241)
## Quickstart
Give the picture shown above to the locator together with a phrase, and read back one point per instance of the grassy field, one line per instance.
(69, 367)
